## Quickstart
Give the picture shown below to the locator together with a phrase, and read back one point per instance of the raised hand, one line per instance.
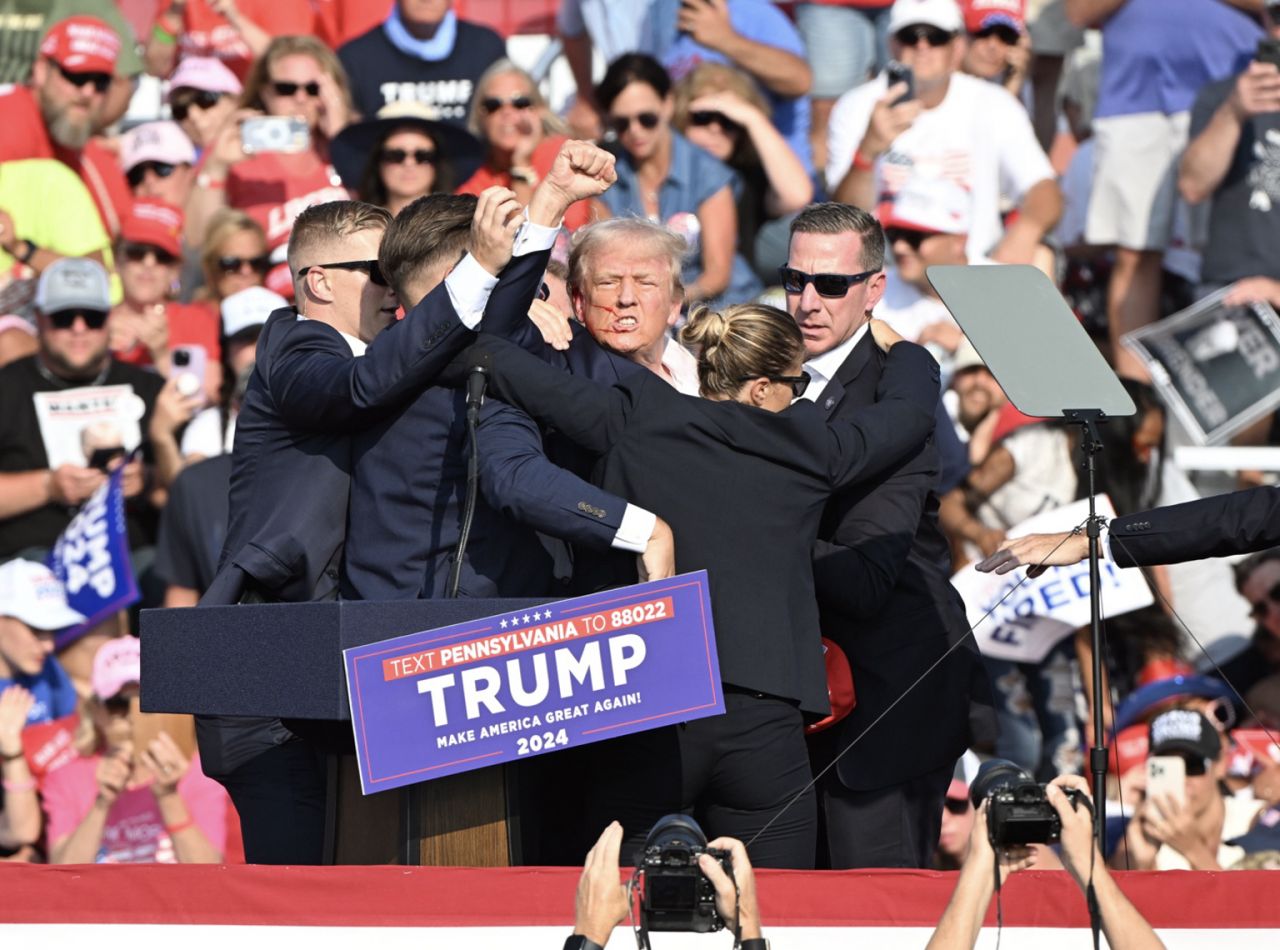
(601, 901)
(580, 170)
(165, 761)
(15, 703)
(494, 227)
(888, 120)
(114, 772)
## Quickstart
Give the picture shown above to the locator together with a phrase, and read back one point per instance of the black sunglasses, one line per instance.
(909, 236)
(544, 291)
(798, 384)
(956, 806)
(1001, 31)
(138, 173)
(492, 104)
(117, 705)
(398, 156)
(369, 267)
(180, 106)
(702, 117)
(231, 265)
(100, 81)
(827, 285)
(66, 319)
(312, 89)
(1259, 610)
(910, 36)
(620, 123)
(1195, 764)
(137, 253)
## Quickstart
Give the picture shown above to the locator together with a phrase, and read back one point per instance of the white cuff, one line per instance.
(469, 286)
(532, 238)
(636, 529)
(1104, 541)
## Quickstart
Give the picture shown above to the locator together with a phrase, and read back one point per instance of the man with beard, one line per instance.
(55, 114)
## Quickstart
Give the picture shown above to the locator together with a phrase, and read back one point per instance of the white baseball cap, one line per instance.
(249, 308)
(31, 593)
(934, 205)
(944, 14)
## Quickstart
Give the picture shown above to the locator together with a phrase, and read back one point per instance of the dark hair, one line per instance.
(629, 68)
(740, 342)
(1242, 570)
(834, 217)
(374, 191)
(428, 230)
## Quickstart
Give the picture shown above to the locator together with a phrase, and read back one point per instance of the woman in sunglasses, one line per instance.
(203, 94)
(662, 176)
(722, 111)
(520, 134)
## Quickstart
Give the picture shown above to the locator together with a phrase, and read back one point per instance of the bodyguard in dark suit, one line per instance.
(882, 569)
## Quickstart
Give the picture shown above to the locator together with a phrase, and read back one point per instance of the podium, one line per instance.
(284, 661)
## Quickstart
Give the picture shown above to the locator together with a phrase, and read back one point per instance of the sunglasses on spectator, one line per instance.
(910, 36)
(956, 806)
(66, 319)
(137, 253)
(1259, 610)
(232, 265)
(714, 118)
(620, 123)
(491, 104)
(138, 173)
(1195, 764)
(118, 705)
(398, 156)
(180, 106)
(909, 236)
(798, 384)
(827, 285)
(1001, 31)
(369, 267)
(287, 89)
(1221, 713)
(99, 81)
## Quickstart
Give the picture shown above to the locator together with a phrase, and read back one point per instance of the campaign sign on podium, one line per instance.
(475, 694)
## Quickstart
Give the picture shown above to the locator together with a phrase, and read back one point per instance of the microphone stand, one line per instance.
(476, 381)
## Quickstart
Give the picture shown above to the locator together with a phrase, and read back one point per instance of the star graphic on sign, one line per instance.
(515, 621)
(547, 613)
(526, 618)
(537, 615)
(503, 623)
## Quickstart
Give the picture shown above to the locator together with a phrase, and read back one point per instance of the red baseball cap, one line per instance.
(155, 223)
(839, 687)
(981, 14)
(82, 44)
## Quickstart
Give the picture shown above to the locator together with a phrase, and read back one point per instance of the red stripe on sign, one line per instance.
(501, 897)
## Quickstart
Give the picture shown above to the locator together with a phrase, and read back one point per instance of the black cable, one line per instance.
(475, 394)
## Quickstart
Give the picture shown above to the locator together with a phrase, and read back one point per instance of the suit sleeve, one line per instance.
(1234, 523)
(519, 480)
(873, 438)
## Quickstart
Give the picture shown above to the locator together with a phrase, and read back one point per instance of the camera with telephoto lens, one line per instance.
(1018, 811)
(677, 895)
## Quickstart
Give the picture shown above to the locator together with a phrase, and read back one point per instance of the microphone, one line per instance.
(476, 381)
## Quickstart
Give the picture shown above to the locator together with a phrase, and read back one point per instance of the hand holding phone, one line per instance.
(897, 72)
(1167, 775)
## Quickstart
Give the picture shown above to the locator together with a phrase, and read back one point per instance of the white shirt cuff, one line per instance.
(532, 237)
(635, 530)
(469, 286)
(1104, 541)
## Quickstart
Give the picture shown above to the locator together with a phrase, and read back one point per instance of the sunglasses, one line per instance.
(714, 118)
(620, 123)
(1259, 610)
(137, 253)
(909, 236)
(910, 36)
(138, 173)
(99, 81)
(369, 267)
(956, 806)
(180, 107)
(798, 384)
(827, 285)
(398, 156)
(117, 705)
(1004, 33)
(287, 89)
(232, 265)
(544, 291)
(491, 104)
(1195, 764)
(66, 319)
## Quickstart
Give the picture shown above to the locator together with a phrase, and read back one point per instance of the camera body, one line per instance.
(1018, 811)
(677, 895)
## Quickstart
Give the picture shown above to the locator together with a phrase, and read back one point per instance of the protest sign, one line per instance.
(76, 422)
(1048, 608)
(1216, 366)
(91, 558)
(475, 694)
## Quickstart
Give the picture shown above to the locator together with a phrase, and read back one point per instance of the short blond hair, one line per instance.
(320, 224)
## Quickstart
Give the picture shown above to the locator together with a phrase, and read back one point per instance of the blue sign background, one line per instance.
(405, 734)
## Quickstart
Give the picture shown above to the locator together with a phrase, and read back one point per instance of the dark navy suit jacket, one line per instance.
(1234, 523)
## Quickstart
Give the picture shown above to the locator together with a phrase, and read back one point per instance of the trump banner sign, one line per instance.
(475, 694)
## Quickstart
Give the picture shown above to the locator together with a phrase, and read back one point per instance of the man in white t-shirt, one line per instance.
(956, 127)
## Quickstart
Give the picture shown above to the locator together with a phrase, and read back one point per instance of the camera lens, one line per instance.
(995, 774)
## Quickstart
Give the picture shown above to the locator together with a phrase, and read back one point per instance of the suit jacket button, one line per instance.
(590, 509)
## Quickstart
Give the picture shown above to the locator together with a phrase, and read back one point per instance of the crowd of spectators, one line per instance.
(1073, 135)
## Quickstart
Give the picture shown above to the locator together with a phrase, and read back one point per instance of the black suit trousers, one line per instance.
(892, 827)
(733, 773)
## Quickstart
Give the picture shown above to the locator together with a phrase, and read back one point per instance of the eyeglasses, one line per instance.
(231, 265)
(99, 81)
(287, 89)
(370, 267)
(620, 123)
(66, 319)
(798, 384)
(138, 173)
(956, 806)
(398, 156)
(491, 104)
(181, 106)
(544, 291)
(910, 36)
(714, 118)
(827, 285)
(1221, 712)
(117, 705)
(136, 253)
(1259, 610)
(1001, 31)
(908, 236)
